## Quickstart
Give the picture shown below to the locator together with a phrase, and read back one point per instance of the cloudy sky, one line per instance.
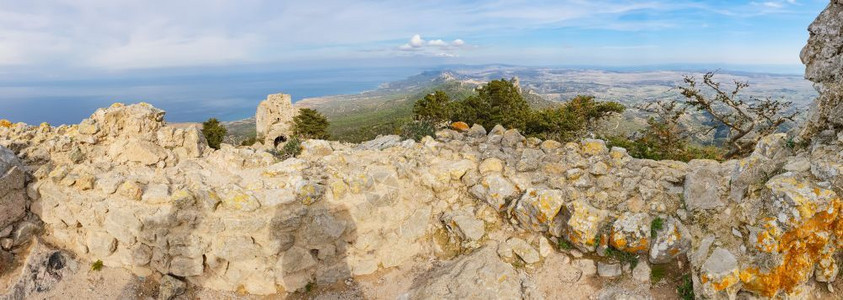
(44, 38)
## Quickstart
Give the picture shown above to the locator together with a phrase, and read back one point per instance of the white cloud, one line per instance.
(434, 47)
(438, 43)
(416, 41)
(771, 4)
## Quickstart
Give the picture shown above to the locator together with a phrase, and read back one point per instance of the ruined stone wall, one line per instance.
(124, 188)
(125, 191)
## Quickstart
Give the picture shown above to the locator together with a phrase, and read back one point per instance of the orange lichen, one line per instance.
(800, 249)
(5, 123)
(459, 126)
(619, 242)
(766, 240)
(722, 284)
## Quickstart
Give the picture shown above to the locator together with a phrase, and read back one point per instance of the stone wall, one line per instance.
(125, 188)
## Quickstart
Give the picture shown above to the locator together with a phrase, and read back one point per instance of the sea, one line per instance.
(185, 98)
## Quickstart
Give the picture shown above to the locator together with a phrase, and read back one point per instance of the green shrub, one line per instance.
(433, 108)
(292, 148)
(572, 120)
(565, 244)
(311, 124)
(685, 289)
(97, 265)
(646, 148)
(417, 130)
(622, 256)
(249, 141)
(214, 132)
(500, 102)
(657, 273)
(656, 225)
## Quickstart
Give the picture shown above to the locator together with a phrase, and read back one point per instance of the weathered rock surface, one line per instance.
(480, 275)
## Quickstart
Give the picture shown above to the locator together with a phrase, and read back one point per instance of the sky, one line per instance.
(48, 45)
(66, 37)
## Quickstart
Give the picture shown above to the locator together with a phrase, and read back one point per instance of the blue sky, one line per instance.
(78, 38)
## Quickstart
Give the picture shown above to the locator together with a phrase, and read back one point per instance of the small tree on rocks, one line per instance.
(311, 124)
(214, 132)
(747, 121)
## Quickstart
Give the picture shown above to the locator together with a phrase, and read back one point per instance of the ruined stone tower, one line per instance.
(274, 119)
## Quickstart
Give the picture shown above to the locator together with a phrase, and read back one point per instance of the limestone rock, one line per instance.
(480, 275)
(631, 232)
(537, 208)
(609, 270)
(465, 225)
(672, 240)
(171, 288)
(496, 190)
(579, 223)
(642, 271)
(701, 185)
(719, 273)
(13, 197)
(524, 250)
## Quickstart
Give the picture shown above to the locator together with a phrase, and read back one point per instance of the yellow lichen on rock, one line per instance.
(801, 249)
(5, 123)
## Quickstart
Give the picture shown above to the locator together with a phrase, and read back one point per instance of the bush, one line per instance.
(501, 102)
(685, 289)
(572, 120)
(664, 137)
(214, 132)
(433, 108)
(656, 225)
(417, 130)
(97, 265)
(311, 124)
(292, 148)
(249, 141)
(497, 102)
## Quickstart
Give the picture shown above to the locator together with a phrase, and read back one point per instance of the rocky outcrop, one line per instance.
(823, 61)
(273, 119)
(13, 199)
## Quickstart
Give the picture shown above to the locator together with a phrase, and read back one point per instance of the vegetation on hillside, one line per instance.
(574, 119)
(214, 132)
(665, 137)
(389, 115)
(310, 124)
(745, 121)
(738, 124)
(501, 102)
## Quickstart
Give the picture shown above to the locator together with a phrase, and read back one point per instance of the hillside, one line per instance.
(363, 116)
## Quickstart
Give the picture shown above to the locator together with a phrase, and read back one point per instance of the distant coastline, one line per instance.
(231, 97)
